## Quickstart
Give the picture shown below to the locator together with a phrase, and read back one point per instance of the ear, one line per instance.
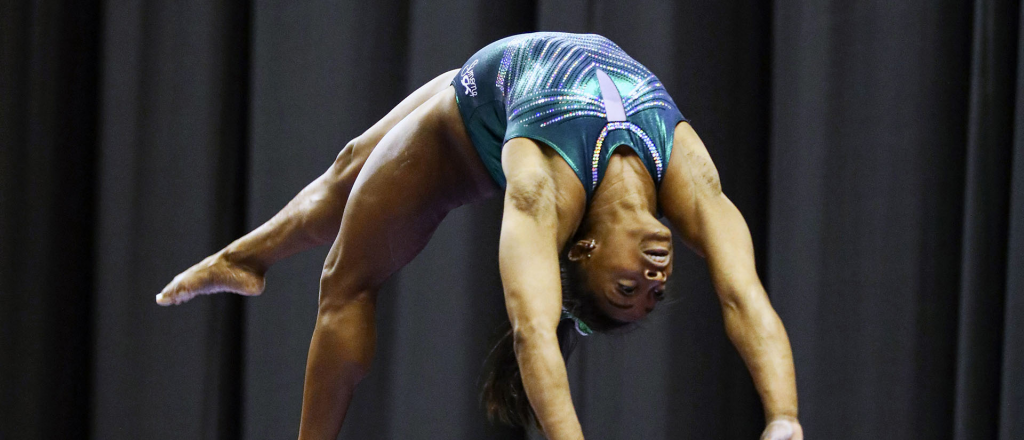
(582, 249)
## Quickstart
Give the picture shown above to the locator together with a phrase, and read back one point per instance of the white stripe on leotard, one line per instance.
(612, 100)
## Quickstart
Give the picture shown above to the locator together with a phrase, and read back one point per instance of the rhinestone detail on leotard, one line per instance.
(548, 81)
(623, 126)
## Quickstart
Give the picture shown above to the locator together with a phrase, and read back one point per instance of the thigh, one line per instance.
(361, 147)
(417, 173)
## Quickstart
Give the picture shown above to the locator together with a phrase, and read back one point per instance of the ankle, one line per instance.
(236, 255)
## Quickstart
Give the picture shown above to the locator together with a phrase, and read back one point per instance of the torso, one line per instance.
(433, 160)
(579, 95)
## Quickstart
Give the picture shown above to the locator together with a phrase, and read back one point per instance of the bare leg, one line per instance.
(423, 168)
(310, 219)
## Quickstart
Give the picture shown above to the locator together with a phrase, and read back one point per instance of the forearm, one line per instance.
(759, 336)
(311, 218)
(547, 384)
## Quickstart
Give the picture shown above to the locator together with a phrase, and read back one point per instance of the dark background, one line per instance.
(876, 148)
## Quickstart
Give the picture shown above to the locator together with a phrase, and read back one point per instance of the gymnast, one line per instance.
(590, 150)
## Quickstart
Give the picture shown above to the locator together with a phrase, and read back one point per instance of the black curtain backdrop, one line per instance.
(876, 148)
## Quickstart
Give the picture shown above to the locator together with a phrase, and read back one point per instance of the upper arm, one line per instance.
(691, 198)
(531, 231)
(528, 259)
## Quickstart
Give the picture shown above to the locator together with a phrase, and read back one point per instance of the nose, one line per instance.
(654, 275)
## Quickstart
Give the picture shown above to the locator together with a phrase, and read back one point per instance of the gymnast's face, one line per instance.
(626, 267)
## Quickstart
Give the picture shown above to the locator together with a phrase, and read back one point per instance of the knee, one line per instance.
(352, 157)
(348, 328)
(346, 311)
(339, 290)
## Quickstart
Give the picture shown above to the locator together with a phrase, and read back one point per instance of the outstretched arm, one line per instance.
(692, 199)
(528, 256)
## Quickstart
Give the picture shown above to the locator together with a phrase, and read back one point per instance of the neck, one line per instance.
(627, 191)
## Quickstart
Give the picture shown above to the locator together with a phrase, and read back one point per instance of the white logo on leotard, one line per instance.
(468, 80)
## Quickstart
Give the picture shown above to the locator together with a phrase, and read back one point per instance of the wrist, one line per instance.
(790, 415)
(782, 417)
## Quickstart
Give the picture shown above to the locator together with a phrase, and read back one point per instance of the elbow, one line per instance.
(342, 334)
(748, 302)
(527, 336)
(750, 315)
(734, 299)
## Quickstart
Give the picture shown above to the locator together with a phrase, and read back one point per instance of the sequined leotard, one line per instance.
(579, 94)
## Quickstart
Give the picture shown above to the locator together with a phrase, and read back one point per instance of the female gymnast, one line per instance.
(542, 115)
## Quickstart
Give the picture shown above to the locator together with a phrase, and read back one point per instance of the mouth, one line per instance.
(658, 256)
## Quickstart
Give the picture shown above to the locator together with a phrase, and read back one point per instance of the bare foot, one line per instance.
(212, 275)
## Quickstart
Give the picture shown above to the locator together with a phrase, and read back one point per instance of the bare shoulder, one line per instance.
(690, 167)
(538, 178)
(527, 160)
(691, 187)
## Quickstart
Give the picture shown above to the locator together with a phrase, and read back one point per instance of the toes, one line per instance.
(207, 280)
(166, 296)
(175, 293)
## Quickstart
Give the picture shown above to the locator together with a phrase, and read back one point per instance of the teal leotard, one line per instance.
(579, 94)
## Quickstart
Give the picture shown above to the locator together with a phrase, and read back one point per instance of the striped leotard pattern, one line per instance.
(546, 82)
(556, 74)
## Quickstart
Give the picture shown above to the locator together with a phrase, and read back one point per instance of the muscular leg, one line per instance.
(421, 169)
(310, 219)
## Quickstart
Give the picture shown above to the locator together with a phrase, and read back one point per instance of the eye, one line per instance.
(659, 295)
(627, 289)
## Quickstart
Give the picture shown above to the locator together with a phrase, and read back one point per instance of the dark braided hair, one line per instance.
(503, 394)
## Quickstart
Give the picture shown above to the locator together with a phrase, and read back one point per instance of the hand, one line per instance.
(783, 428)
